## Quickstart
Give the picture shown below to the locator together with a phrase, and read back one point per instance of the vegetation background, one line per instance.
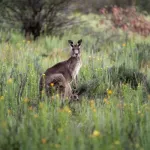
(114, 81)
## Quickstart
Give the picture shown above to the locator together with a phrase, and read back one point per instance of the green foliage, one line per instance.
(111, 113)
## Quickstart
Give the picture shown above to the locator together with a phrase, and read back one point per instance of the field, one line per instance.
(113, 112)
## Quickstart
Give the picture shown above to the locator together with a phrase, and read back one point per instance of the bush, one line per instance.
(128, 19)
(34, 16)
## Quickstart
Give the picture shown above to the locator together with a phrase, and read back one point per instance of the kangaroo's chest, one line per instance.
(76, 69)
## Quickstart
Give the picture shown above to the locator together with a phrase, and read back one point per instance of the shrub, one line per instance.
(128, 19)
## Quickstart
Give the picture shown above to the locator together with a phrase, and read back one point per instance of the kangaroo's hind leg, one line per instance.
(68, 91)
(55, 83)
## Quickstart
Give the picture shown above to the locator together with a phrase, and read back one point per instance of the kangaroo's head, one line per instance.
(75, 48)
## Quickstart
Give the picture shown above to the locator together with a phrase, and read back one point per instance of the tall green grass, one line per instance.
(108, 116)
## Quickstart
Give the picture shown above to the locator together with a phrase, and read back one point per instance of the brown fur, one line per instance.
(62, 74)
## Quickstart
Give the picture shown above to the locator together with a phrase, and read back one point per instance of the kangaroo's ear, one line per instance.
(70, 42)
(79, 42)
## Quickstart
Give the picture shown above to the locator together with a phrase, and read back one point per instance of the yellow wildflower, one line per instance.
(57, 95)
(94, 110)
(95, 133)
(69, 112)
(109, 92)
(26, 100)
(1, 98)
(92, 103)
(44, 141)
(29, 41)
(123, 44)
(106, 101)
(9, 111)
(9, 81)
(35, 115)
(51, 84)
(65, 109)
(117, 142)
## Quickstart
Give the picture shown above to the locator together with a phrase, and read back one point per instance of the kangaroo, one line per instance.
(63, 73)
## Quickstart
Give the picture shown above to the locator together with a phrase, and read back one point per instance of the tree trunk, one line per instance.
(27, 35)
(32, 28)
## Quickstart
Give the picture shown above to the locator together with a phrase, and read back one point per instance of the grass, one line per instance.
(110, 114)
